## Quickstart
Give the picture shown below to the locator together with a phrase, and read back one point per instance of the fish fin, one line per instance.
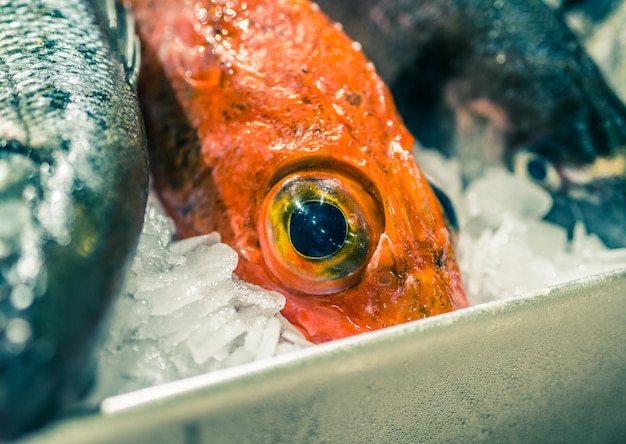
(447, 207)
(122, 25)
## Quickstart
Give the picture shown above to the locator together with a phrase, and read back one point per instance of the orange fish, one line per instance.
(267, 124)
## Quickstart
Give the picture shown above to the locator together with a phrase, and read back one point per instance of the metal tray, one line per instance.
(546, 368)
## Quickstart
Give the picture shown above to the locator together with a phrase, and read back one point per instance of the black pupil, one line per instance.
(317, 229)
(537, 169)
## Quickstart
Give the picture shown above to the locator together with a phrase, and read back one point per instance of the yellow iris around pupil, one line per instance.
(316, 235)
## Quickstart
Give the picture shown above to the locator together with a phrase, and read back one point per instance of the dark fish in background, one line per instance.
(584, 15)
(599, 25)
(503, 82)
(73, 188)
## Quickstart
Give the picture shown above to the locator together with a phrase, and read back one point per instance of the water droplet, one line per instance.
(201, 14)
(29, 193)
(494, 33)
(21, 297)
(28, 266)
(18, 331)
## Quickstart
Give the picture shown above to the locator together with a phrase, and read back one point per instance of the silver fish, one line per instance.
(504, 81)
(73, 189)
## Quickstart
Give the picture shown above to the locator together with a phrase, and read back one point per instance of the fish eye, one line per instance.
(537, 168)
(447, 207)
(317, 231)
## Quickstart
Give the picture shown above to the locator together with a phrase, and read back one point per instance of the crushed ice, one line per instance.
(183, 313)
(505, 248)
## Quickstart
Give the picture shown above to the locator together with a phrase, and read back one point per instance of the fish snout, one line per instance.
(406, 268)
(405, 282)
(599, 194)
(600, 204)
(594, 193)
(404, 297)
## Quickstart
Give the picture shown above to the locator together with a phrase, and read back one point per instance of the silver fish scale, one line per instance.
(55, 77)
(73, 183)
(73, 187)
(47, 49)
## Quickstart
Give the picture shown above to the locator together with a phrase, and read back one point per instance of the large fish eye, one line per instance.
(318, 230)
(536, 168)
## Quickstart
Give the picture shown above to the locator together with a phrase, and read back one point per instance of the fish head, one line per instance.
(566, 132)
(339, 217)
(571, 140)
(358, 249)
(305, 169)
(578, 154)
(593, 193)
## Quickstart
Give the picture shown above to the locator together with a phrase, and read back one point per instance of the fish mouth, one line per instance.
(600, 205)
(597, 195)
(424, 293)
(593, 194)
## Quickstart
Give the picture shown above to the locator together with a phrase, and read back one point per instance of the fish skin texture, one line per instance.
(73, 189)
